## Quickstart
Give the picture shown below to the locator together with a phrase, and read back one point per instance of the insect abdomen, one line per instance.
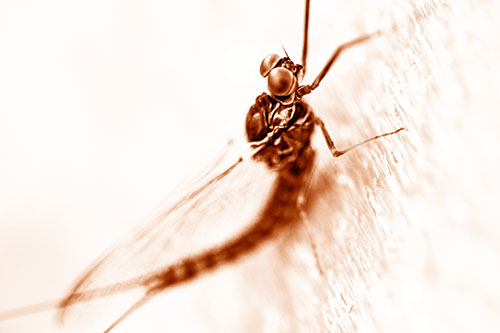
(280, 211)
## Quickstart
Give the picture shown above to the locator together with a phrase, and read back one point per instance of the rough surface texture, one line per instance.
(99, 98)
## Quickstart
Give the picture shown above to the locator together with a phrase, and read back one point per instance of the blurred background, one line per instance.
(106, 105)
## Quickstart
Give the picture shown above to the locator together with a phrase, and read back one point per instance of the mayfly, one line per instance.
(279, 126)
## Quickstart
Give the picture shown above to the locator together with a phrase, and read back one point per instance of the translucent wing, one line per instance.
(229, 198)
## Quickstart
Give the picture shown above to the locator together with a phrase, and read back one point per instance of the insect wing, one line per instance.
(205, 216)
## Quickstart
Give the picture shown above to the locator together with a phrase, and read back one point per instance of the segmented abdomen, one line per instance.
(281, 211)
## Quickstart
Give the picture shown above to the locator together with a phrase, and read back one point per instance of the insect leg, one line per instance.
(306, 35)
(314, 247)
(320, 267)
(129, 311)
(335, 152)
(307, 89)
(323, 278)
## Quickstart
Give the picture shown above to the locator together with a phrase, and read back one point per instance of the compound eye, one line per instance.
(268, 64)
(281, 82)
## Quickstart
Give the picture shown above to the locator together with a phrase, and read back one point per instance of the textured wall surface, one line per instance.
(105, 107)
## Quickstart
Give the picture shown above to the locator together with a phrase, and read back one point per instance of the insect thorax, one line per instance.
(284, 130)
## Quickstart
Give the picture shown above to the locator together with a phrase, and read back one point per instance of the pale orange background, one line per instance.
(105, 106)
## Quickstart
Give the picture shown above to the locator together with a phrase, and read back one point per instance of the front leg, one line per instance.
(331, 145)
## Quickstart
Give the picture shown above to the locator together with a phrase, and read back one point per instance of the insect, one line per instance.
(278, 127)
